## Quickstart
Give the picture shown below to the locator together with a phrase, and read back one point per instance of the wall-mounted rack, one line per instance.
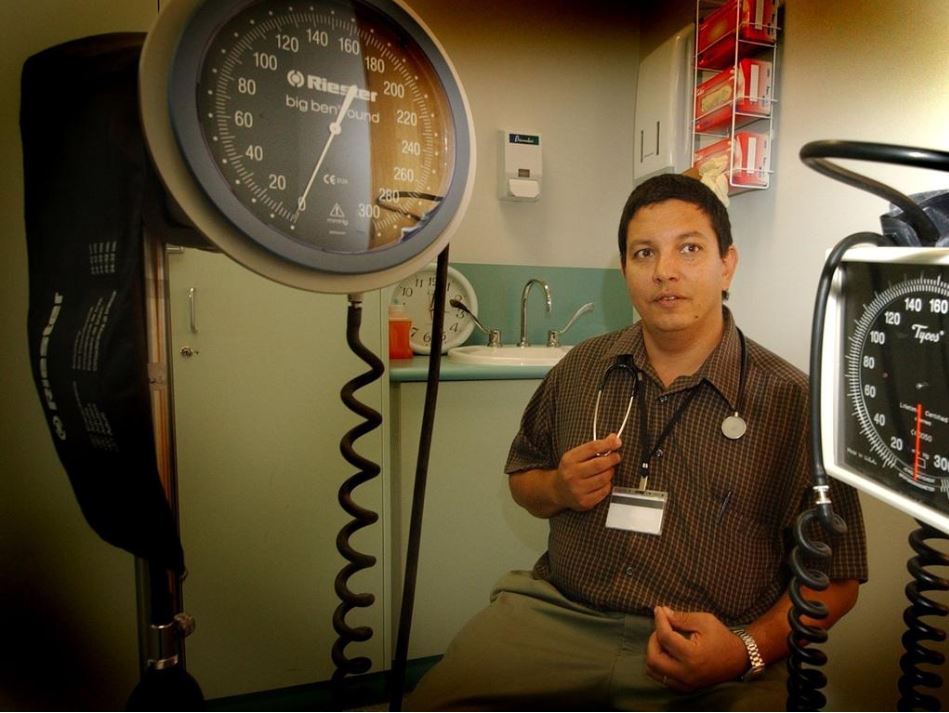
(735, 89)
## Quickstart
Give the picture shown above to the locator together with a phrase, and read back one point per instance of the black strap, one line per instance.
(648, 453)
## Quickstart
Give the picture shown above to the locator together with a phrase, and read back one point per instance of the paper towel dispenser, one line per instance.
(663, 108)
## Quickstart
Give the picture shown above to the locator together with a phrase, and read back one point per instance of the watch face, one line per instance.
(417, 293)
(329, 132)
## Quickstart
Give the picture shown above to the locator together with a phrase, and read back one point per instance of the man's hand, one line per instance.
(585, 473)
(582, 479)
(693, 650)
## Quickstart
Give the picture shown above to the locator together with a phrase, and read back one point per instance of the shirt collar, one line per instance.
(722, 368)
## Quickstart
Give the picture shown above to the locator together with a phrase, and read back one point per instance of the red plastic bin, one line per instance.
(752, 159)
(757, 21)
(713, 97)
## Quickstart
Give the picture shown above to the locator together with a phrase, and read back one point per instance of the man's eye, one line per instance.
(691, 248)
(642, 253)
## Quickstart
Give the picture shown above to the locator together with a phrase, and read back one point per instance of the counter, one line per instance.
(416, 369)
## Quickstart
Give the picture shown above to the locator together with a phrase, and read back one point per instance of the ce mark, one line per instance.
(331, 179)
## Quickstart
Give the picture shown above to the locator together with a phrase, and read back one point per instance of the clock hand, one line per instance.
(919, 424)
(336, 128)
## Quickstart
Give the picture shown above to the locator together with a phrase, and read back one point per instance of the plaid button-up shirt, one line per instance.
(731, 504)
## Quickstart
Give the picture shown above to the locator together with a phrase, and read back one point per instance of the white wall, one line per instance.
(566, 70)
(853, 69)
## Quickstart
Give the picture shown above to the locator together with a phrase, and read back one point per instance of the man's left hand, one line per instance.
(693, 650)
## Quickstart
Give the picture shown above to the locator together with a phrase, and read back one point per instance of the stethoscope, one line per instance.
(733, 426)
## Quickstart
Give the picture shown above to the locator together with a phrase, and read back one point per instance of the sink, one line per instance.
(508, 355)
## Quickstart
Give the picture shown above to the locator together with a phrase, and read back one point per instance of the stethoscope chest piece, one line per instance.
(734, 427)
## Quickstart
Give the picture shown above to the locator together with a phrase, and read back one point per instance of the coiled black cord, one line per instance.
(804, 684)
(361, 516)
(918, 631)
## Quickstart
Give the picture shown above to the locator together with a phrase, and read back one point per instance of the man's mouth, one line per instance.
(667, 299)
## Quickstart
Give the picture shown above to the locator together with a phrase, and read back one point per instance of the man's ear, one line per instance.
(729, 265)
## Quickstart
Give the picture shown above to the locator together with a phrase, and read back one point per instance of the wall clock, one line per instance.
(417, 293)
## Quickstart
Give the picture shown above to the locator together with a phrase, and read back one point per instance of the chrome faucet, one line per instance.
(494, 335)
(553, 335)
(524, 294)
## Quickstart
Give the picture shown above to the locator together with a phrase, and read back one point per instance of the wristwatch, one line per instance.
(754, 656)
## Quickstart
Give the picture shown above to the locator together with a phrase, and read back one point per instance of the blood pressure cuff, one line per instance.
(86, 175)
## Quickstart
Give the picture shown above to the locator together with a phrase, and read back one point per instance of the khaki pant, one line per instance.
(533, 648)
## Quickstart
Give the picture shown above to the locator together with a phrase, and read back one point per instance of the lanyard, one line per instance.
(648, 453)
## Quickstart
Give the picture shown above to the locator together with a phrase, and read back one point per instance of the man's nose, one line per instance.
(665, 267)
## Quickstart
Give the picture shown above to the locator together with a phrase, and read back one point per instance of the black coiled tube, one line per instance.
(805, 684)
(361, 516)
(918, 632)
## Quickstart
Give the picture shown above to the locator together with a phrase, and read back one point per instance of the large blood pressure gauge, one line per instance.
(326, 144)
(885, 400)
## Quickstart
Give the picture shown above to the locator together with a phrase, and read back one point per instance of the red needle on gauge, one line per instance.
(919, 425)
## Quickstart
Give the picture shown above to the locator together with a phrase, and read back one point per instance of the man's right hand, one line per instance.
(582, 479)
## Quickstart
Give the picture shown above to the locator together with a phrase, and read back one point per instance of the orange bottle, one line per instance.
(400, 327)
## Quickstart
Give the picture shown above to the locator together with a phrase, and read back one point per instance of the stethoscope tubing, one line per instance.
(636, 373)
(599, 393)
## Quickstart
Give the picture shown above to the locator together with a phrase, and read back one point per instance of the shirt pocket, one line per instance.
(741, 555)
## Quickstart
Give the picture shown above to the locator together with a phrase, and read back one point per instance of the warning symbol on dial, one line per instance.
(337, 216)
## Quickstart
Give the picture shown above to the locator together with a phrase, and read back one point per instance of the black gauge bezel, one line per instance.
(866, 274)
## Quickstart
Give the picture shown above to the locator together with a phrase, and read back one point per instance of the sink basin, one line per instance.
(509, 355)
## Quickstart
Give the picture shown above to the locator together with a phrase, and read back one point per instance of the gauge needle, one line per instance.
(336, 128)
(919, 425)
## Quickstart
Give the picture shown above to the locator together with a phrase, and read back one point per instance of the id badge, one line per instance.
(637, 510)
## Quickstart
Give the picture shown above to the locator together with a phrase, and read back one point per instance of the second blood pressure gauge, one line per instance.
(326, 144)
(886, 409)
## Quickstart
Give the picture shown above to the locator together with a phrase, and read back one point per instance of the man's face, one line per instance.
(674, 272)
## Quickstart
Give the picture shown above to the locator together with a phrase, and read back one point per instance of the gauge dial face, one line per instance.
(323, 130)
(897, 368)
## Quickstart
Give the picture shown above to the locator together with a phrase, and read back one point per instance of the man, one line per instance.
(671, 534)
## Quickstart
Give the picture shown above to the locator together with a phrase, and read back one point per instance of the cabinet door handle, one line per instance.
(193, 309)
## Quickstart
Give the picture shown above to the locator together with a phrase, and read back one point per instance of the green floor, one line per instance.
(356, 692)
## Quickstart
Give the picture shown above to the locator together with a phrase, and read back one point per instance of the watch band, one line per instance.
(754, 656)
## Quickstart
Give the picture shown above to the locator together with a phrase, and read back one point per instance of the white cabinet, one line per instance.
(258, 420)
(472, 530)
(258, 423)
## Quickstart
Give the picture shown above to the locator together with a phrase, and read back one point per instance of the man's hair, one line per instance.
(669, 186)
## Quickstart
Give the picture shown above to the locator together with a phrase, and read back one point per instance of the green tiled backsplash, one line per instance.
(498, 289)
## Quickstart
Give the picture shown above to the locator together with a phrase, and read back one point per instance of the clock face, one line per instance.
(417, 293)
(328, 136)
